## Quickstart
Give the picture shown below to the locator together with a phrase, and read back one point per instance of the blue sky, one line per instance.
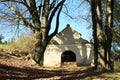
(77, 11)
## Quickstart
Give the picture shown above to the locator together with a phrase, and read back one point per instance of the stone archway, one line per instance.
(68, 57)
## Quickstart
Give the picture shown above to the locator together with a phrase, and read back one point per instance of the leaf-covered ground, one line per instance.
(12, 68)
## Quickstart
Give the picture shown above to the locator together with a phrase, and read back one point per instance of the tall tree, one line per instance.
(102, 32)
(108, 32)
(97, 31)
(36, 15)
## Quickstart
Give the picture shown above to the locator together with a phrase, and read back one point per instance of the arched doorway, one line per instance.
(68, 57)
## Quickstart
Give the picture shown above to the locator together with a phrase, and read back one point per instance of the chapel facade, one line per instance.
(68, 46)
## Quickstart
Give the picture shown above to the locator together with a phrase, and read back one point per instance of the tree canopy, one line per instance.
(37, 15)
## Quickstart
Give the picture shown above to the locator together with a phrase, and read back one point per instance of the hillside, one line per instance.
(19, 67)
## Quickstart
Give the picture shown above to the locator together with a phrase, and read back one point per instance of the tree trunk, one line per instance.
(108, 31)
(39, 48)
(93, 10)
(98, 35)
(42, 34)
(102, 35)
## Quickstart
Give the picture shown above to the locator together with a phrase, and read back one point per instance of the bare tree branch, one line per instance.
(53, 13)
(52, 5)
(57, 24)
(22, 19)
(34, 12)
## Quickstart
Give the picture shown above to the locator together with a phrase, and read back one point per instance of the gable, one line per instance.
(69, 36)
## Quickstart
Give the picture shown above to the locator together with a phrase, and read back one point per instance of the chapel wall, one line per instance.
(83, 52)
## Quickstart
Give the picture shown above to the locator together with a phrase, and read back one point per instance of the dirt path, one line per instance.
(15, 69)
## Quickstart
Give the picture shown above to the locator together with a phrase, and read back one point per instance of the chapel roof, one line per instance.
(69, 36)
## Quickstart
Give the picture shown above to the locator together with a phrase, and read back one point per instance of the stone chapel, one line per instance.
(68, 46)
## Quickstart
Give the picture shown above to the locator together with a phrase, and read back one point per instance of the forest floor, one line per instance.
(12, 68)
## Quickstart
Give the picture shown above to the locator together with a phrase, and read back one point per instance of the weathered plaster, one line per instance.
(68, 40)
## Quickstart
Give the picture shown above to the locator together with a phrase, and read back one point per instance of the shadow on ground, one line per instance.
(27, 73)
(10, 72)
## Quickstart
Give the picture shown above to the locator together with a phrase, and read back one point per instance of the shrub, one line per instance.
(23, 43)
(116, 65)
